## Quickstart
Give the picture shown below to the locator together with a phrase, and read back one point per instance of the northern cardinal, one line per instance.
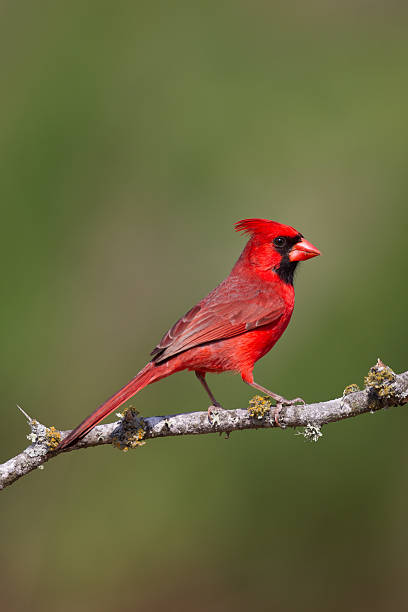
(233, 326)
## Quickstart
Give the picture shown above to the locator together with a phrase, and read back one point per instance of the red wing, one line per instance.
(231, 309)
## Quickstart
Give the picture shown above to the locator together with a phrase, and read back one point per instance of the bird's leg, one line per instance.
(214, 403)
(201, 378)
(280, 401)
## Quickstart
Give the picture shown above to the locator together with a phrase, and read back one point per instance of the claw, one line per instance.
(297, 400)
(282, 401)
(280, 404)
(276, 413)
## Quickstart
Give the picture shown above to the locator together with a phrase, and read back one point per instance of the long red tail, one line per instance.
(150, 373)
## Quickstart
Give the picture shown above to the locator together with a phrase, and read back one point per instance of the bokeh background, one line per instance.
(132, 136)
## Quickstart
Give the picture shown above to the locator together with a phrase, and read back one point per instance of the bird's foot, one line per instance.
(280, 403)
(275, 415)
(214, 413)
(287, 402)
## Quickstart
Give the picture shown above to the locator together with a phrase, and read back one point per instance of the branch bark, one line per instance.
(383, 390)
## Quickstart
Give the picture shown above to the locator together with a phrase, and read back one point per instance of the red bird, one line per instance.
(233, 326)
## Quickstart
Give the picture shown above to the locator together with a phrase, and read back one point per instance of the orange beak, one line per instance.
(303, 250)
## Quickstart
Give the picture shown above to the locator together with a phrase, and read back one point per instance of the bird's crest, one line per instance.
(264, 228)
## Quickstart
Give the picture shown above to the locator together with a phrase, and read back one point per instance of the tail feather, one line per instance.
(141, 380)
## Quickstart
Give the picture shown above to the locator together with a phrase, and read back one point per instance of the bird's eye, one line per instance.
(280, 241)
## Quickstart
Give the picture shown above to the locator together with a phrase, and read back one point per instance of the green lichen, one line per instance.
(49, 437)
(353, 388)
(259, 406)
(380, 380)
(311, 432)
(132, 431)
(52, 437)
(381, 387)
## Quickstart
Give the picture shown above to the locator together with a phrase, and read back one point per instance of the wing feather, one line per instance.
(232, 309)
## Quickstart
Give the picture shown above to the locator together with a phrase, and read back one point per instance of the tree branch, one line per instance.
(383, 390)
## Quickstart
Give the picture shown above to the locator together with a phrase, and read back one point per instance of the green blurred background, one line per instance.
(132, 136)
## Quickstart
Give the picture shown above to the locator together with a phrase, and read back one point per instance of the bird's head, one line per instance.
(275, 247)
